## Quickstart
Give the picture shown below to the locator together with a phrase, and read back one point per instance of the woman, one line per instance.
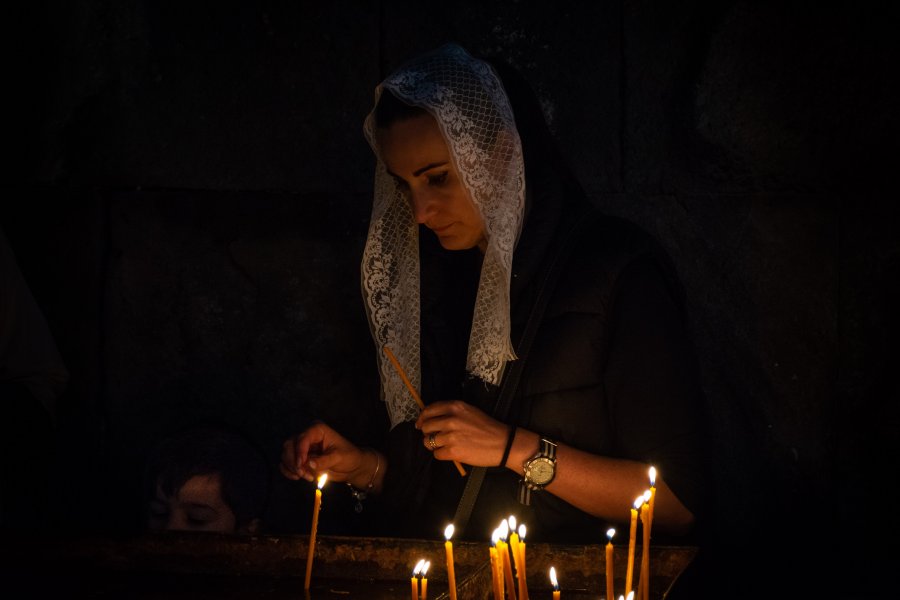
(481, 240)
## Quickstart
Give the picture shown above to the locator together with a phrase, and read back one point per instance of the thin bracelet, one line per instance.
(360, 495)
(377, 466)
(509, 443)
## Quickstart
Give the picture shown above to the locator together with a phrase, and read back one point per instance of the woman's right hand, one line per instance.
(321, 449)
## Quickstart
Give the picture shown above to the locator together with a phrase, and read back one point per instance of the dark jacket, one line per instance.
(611, 370)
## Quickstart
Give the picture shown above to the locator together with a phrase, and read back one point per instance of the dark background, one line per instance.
(187, 189)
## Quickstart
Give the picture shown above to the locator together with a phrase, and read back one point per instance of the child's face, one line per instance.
(196, 506)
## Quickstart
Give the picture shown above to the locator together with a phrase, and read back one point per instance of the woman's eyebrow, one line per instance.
(418, 172)
(429, 166)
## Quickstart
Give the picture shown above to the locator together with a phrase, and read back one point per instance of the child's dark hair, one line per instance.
(212, 449)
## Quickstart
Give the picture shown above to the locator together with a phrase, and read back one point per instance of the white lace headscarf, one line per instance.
(468, 101)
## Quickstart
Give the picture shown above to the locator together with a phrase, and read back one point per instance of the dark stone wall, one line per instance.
(188, 194)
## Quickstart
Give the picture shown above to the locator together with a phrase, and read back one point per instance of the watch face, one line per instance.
(540, 471)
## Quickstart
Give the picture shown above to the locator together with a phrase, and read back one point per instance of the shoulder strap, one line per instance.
(515, 369)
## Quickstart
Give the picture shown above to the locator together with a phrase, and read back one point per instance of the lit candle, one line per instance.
(451, 573)
(514, 543)
(652, 473)
(609, 563)
(312, 532)
(632, 537)
(523, 574)
(424, 590)
(504, 558)
(645, 548)
(496, 577)
(555, 583)
(414, 580)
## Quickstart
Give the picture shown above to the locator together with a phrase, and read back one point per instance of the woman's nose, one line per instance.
(423, 205)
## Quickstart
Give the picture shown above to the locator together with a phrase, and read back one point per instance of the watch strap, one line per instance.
(546, 449)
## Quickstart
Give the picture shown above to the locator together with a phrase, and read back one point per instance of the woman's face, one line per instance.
(417, 157)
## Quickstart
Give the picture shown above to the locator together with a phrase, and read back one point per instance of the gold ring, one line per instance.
(431, 443)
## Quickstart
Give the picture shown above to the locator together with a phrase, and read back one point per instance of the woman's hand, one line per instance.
(462, 433)
(321, 449)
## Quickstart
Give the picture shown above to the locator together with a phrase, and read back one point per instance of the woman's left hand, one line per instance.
(462, 433)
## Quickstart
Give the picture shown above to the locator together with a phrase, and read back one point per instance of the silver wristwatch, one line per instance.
(539, 471)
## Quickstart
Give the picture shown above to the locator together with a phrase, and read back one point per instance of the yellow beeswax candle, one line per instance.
(414, 580)
(644, 584)
(496, 573)
(505, 562)
(609, 563)
(424, 583)
(522, 570)
(555, 583)
(451, 572)
(651, 472)
(632, 540)
(514, 544)
(312, 532)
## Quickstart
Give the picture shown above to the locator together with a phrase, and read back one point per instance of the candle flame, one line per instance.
(610, 533)
(638, 501)
(495, 536)
(425, 567)
(418, 568)
(630, 595)
(512, 523)
(553, 579)
(322, 479)
(647, 495)
(522, 532)
(652, 473)
(504, 530)
(448, 531)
